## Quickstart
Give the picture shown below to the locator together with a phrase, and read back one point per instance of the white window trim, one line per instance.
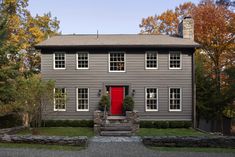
(169, 58)
(124, 60)
(54, 61)
(149, 110)
(146, 60)
(55, 104)
(83, 110)
(88, 57)
(175, 110)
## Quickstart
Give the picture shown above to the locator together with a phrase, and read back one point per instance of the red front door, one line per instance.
(117, 94)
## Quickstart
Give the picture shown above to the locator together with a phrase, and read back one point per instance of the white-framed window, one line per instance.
(117, 62)
(175, 99)
(59, 60)
(59, 99)
(82, 99)
(82, 60)
(151, 99)
(175, 60)
(151, 60)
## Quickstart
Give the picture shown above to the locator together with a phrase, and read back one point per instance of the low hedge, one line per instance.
(9, 121)
(165, 124)
(67, 123)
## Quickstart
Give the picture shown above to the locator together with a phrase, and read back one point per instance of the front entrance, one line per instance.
(116, 95)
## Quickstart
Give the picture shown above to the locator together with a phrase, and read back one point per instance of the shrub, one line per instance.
(128, 104)
(165, 124)
(104, 101)
(10, 120)
(68, 123)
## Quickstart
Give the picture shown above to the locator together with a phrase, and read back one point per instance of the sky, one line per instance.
(106, 16)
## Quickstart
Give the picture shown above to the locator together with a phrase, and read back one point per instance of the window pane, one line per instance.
(151, 60)
(59, 60)
(82, 59)
(117, 62)
(151, 99)
(60, 98)
(175, 98)
(82, 98)
(175, 59)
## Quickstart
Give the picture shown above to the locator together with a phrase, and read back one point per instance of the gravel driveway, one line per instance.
(106, 147)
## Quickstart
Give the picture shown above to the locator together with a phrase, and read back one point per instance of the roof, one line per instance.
(117, 40)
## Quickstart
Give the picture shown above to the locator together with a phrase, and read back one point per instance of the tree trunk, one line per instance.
(25, 119)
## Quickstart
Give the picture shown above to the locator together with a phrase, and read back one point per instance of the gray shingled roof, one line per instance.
(128, 40)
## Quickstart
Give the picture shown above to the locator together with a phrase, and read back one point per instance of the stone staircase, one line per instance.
(116, 126)
(106, 125)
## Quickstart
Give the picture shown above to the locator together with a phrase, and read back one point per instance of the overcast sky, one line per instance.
(107, 16)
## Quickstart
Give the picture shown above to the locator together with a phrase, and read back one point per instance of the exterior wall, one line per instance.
(136, 76)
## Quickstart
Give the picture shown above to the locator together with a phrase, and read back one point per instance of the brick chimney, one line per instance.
(186, 28)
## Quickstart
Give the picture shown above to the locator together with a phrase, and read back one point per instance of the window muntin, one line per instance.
(59, 60)
(117, 62)
(82, 99)
(151, 99)
(59, 99)
(151, 60)
(175, 60)
(175, 99)
(82, 60)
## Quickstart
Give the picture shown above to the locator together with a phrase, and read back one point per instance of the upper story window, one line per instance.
(151, 60)
(59, 99)
(117, 62)
(175, 99)
(82, 99)
(151, 99)
(83, 60)
(59, 60)
(175, 60)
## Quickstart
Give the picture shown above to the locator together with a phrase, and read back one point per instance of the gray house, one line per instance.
(157, 70)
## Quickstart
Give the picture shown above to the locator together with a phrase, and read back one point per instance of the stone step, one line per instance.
(116, 133)
(116, 117)
(117, 125)
(116, 128)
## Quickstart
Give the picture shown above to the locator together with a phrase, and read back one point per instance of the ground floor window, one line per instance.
(151, 99)
(59, 99)
(175, 99)
(82, 99)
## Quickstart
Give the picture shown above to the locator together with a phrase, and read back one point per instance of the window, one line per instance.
(82, 60)
(175, 60)
(59, 99)
(59, 60)
(175, 99)
(151, 60)
(151, 99)
(117, 62)
(82, 99)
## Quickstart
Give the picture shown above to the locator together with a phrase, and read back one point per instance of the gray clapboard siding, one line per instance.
(136, 76)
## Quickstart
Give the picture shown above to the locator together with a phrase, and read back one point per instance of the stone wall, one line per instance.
(133, 118)
(52, 140)
(221, 141)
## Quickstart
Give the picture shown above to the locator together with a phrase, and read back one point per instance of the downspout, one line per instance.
(193, 91)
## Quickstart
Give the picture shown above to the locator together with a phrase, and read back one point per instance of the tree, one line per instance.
(32, 94)
(167, 22)
(24, 30)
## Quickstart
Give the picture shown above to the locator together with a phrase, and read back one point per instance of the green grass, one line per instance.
(61, 131)
(194, 149)
(41, 146)
(169, 132)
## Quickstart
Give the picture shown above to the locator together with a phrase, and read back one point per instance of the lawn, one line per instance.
(194, 149)
(169, 132)
(61, 131)
(41, 146)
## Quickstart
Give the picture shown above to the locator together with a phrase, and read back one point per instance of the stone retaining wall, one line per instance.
(222, 141)
(53, 140)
